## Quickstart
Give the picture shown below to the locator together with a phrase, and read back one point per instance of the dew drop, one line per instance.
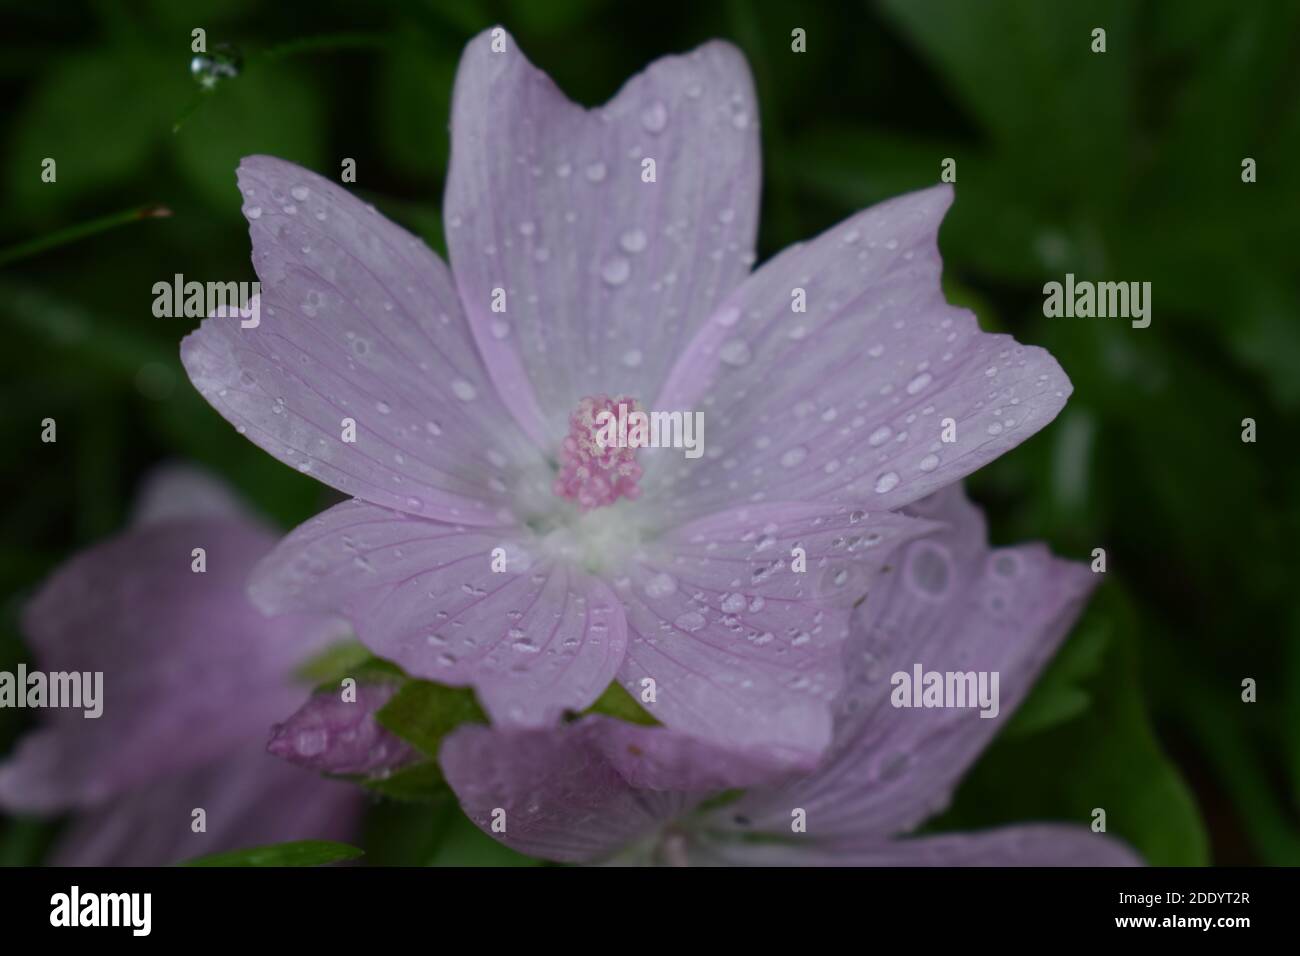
(691, 621)
(660, 585)
(655, 118)
(735, 353)
(733, 603)
(616, 270)
(793, 456)
(634, 240)
(728, 316)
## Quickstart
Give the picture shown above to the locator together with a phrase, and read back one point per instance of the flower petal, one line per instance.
(955, 606)
(249, 799)
(743, 650)
(551, 793)
(190, 668)
(848, 401)
(175, 491)
(334, 734)
(534, 640)
(1041, 844)
(359, 322)
(606, 277)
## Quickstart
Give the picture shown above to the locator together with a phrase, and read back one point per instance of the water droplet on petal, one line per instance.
(735, 353)
(690, 621)
(616, 270)
(793, 456)
(634, 240)
(655, 118)
(733, 603)
(886, 482)
(464, 390)
(727, 316)
(660, 585)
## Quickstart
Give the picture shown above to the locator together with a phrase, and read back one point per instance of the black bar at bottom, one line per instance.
(577, 908)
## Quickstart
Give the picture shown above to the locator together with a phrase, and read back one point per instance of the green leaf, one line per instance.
(1060, 694)
(1027, 73)
(419, 783)
(464, 844)
(272, 110)
(436, 834)
(299, 853)
(347, 659)
(617, 702)
(422, 713)
(75, 116)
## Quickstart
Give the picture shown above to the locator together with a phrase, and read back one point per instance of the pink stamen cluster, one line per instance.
(590, 474)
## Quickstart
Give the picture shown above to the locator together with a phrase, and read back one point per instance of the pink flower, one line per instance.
(193, 678)
(600, 790)
(596, 254)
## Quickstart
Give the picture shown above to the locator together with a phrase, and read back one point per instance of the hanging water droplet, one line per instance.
(209, 69)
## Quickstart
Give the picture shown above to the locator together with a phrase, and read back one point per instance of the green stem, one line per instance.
(71, 234)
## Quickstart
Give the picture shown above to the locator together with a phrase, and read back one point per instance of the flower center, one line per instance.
(598, 457)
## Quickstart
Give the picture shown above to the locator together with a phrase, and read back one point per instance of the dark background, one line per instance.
(1120, 166)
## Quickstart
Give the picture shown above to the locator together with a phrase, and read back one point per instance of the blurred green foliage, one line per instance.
(1123, 166)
